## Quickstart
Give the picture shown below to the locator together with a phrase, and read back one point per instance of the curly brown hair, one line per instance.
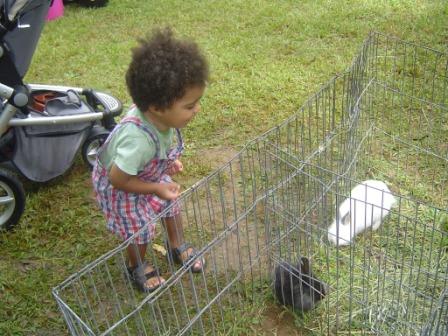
(162, 68)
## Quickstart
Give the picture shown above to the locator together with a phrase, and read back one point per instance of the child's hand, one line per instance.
(175, 168)
(168, 191)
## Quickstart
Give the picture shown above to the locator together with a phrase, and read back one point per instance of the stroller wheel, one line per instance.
(91, 146)
(12, 199)
(90, 3)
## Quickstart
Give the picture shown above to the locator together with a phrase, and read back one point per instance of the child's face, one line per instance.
(182, 111)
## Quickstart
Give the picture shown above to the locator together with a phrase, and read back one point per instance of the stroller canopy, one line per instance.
(21, 24)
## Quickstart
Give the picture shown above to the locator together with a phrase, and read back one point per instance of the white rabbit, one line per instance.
(369, 202)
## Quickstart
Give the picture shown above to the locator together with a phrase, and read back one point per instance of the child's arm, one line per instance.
(131, 183)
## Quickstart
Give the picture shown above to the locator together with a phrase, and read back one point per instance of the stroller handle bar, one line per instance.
(6, 91)
(112, 107)
(7, 113)
(56, 120)
(15, 98)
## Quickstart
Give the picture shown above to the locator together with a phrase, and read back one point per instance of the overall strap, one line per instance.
(136, 121)
(180, 141)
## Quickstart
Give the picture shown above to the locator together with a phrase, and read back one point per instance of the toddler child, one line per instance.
(132, 175)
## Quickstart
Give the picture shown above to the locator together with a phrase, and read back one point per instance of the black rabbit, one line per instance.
(296, 286)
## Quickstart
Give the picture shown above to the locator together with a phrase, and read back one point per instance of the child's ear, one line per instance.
(154, 110)
(151, 109)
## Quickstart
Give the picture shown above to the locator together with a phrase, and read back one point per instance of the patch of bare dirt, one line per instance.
(203, 163)
(279, 322)
(216, 157)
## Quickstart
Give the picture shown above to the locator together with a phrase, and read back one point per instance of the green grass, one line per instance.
(266, 58)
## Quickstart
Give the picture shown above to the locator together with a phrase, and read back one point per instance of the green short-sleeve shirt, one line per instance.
(131, 148)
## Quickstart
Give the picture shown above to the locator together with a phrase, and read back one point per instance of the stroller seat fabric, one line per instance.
(44, 152)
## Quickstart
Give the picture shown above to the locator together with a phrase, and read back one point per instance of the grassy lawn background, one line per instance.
(266, 58)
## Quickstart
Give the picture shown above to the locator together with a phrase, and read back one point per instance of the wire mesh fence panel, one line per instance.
(438, 324)
(276, 207)
(387, 282)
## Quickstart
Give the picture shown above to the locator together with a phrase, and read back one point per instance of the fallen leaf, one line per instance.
(159, 248)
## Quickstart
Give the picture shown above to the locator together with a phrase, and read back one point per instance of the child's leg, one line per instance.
(175, 232)
(136, 255)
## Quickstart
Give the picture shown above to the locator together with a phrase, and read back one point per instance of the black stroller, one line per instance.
(42, 127)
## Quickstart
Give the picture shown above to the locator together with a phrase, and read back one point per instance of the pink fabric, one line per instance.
(56, 10)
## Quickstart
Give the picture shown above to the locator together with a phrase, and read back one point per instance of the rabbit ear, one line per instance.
(346, 219)
(344, 211)
(305, 265)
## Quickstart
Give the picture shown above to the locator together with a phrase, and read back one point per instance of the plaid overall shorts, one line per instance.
(130, 214)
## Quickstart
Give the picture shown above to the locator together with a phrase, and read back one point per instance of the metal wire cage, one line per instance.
(386, 118)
